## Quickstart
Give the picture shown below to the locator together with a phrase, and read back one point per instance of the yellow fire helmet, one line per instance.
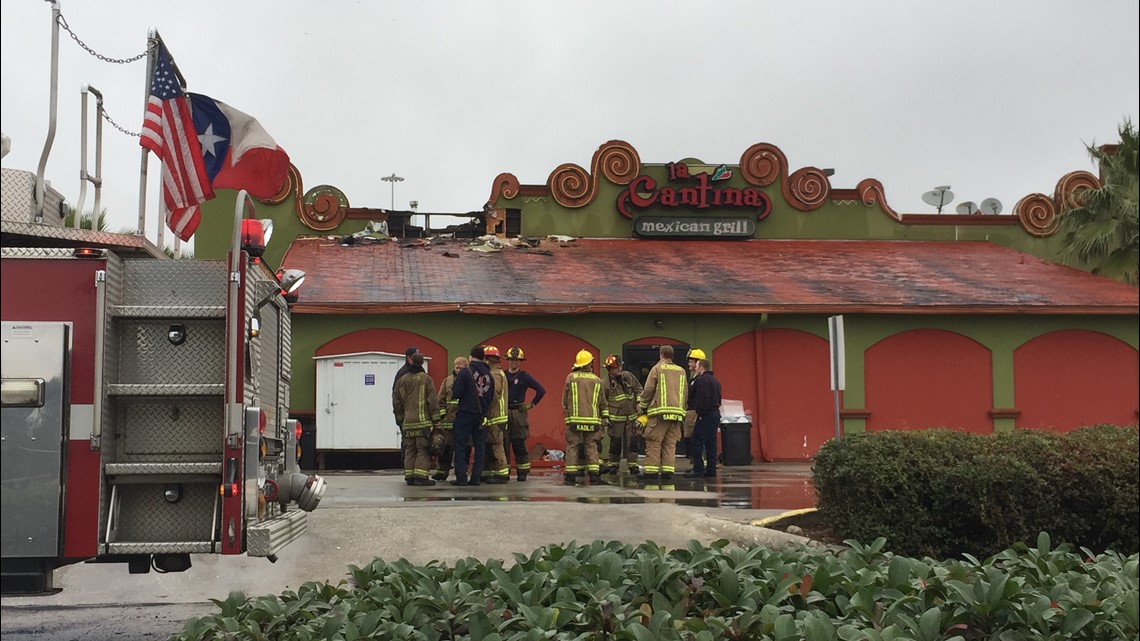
(584, 358)
(515, 354)
(698, 354)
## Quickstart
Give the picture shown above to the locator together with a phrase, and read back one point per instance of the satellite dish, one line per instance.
(938, 197)
(966, 207)
(991, 206)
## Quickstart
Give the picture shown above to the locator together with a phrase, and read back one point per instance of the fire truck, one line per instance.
(145, 401)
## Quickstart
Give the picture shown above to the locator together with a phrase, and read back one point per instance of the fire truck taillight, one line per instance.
(89, 252)
(297, 432)
(261, 422)
(229, 487)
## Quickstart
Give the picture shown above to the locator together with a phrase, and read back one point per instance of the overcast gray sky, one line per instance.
(996, 99)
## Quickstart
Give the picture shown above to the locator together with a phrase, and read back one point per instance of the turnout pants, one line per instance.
(575, 461)
(444, 449)
(661, 438)
(417, 459)
(621, 434)
(496, 463)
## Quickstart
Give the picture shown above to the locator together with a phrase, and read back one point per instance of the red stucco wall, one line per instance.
(927, 378)
(1069, 378)
(788, 396)
(549, 357)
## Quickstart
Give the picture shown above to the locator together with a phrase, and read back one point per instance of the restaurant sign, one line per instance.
(677, 226)
(698, 192)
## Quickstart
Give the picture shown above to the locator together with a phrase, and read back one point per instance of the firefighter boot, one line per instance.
(439, 476)
(522, 475)
(569, 479)
(595, 478)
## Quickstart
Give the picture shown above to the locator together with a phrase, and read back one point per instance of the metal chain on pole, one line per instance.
(107, 117)
(119, 61)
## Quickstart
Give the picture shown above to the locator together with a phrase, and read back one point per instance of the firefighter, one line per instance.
(695, 357)
(622, 390)
(586, 410)
(705, 399)
(441, 445)
(662, 405)
(497, 469)
(417, 402)
(518, 408)
(474, 388)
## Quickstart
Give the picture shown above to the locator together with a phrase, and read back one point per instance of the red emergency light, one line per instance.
(255, 235)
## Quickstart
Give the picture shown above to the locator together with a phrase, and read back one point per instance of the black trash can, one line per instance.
(736, 441)
(308, 445)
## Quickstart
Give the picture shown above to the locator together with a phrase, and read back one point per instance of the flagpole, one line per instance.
(152, 41)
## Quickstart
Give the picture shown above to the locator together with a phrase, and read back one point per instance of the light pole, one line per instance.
(393, 179)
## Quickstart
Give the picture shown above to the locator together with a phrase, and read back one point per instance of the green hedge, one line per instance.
(940, 493)
(607, 591)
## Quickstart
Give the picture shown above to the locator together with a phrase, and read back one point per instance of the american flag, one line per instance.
(168, 131)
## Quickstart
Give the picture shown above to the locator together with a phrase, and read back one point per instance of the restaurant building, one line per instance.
(958, 321)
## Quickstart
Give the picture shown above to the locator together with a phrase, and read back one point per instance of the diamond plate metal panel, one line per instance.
(150, 469)
(169, 430)
(18, 198)
(36, 234)
(185, 283)
(144, 516)
(148, 357)
(169, 311)
(174, 389)
(32, 253)
(174, 547)
(113, 288)
(267, 367)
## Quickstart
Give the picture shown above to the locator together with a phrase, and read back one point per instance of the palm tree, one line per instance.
(85, 220)
(1101, 232)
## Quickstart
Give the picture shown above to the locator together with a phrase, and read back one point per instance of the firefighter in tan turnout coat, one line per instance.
(441, 436)
(497, 469)
(416, 401)
(622, 391)
(662, 406)
(586, 412)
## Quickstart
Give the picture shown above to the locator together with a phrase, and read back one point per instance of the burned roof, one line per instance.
(696, 276)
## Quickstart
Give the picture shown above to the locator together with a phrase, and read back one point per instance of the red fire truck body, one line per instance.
(145, 405)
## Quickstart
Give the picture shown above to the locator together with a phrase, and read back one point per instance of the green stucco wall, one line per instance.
(457, 332)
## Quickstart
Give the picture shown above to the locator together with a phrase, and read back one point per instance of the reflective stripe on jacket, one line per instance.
(622, 391)
(665, 392)
(584, 401)
(416, 400)
(448, 405)
(498, 413)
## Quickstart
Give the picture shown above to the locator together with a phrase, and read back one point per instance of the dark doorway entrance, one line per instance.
(639, 359)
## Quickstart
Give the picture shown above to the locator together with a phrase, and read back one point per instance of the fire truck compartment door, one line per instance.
(354, 402)
(32, 420)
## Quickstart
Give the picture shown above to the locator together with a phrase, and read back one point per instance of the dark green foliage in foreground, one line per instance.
(941, 493)
(617, 591)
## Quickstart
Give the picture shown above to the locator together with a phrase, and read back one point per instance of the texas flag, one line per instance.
(237, 151)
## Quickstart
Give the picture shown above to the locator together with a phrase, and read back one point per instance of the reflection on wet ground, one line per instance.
(781, 486)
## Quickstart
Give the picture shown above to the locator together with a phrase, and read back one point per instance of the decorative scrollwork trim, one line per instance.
(871, 193)
(573, 187)
(1038, 215)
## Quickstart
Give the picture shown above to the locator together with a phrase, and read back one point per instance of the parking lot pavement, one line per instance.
(368, 515)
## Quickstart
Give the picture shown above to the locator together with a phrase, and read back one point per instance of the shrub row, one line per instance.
(610, 590)
(940, 493)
